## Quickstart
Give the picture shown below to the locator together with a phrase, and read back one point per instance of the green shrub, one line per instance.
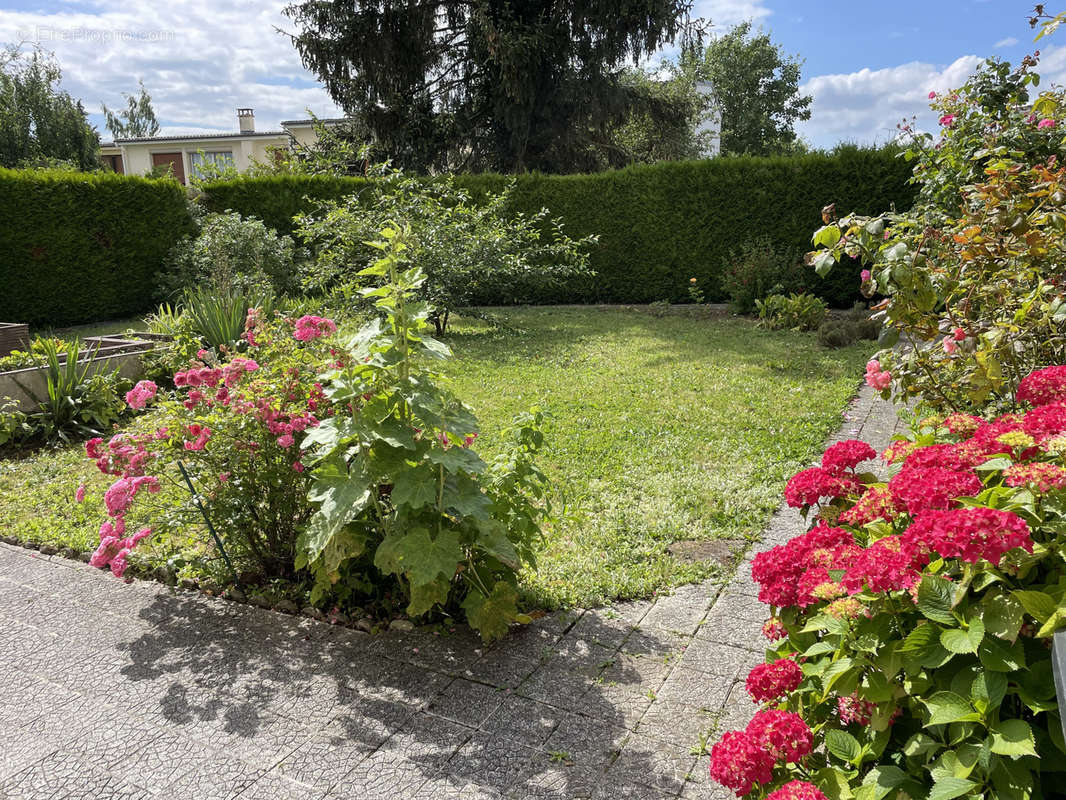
(798, 312)
(854, 326)
(465, 249)
(232, 254)
(658, 225)
(758, 269)
(83, 247)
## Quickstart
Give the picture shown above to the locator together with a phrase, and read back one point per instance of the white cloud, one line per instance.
(1010, 41)
(865, 106)
(199, 60)
(726, 13)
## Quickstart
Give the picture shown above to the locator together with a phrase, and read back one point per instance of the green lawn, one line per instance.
(663, 428)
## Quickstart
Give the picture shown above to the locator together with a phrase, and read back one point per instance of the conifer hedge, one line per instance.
(659, 225)
(83, 247)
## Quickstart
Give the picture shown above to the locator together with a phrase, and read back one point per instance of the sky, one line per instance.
(867, 64)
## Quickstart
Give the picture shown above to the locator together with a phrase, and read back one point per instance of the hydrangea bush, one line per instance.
(910, 625)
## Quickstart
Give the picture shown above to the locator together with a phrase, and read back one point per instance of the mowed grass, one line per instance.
(662, 429)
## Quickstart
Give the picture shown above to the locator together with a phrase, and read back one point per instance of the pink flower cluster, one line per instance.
(876, 377)
(797, 790)
(745, 758)
(310, 327)
(922, 488)
(969, 534)
(124, 455)
(138, 397)
(114, 551)
(115, 546)
(855, 710)
(1040, 476)
(778, 570)
(768, 683)
(808, 487)
(1043, 386)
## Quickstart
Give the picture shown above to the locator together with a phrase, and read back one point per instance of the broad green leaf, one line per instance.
(827, 236)
(457, 458)
(835, 671)
(393, 432)
(491, 616)
(419, 556)
(1038, 605)
(493, 540)
(922, 645)
(424, 596)
(415, 487)
(1013, 738)
(948, 707)
(920, 744)
(988, 690)
(964, 641)
(950, 788)
(879, 781)
(1053, 623)
(934, 600)
(997, 656)
(824, 262)
(1003, 615)
(817, 649)
(339, 501)
(844, 746)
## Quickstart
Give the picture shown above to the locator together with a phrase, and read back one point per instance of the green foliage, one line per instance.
(40, 123)
(756, 91)
(973, 272)
(83, 247)
(397, 483)
(79, 400)
(855, 326)
(137, 120)
(757, 269)
(658, 225)
(232, 254)
(797, 312)
(466, 250)
(218, 318)
(511, 87)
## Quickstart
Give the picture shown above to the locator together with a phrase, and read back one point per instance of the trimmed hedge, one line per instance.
(659, 225)
(83, 247)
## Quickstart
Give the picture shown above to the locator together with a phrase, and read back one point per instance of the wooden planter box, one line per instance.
(13, 336)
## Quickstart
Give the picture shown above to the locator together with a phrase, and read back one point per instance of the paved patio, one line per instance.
(116, 690)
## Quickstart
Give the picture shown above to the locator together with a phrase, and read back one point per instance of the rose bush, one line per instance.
(335, 460)
(910, 625)
(972, 273)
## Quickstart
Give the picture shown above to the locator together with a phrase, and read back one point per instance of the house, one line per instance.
(186, 154)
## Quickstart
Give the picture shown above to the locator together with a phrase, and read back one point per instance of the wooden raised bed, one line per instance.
(13, 336)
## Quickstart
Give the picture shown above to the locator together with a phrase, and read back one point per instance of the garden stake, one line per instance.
(210, 527)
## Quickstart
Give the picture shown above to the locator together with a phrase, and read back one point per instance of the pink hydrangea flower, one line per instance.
(1045, 123)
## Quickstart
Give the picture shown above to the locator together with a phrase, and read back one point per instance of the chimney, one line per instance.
(246, 120)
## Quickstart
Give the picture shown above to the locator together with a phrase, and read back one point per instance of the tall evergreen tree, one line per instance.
(137, 120)
(40, 124)
(509, 85)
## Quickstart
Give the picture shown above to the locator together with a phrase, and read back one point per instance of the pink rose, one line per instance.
(1045, 123)
(79, 495)
(286, 440)
(947, 120)
(296, 465)
(958, 334)
(950, 347)
(865, 275)
(932, 95)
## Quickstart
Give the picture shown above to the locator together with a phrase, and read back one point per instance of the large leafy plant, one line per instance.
(398, 487)
(912, 622)
(972, 274)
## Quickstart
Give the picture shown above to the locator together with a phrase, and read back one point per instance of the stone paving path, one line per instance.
(113, 690)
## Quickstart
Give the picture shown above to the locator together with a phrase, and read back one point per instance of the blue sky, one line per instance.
(867, 64)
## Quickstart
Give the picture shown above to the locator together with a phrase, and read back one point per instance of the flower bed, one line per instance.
(911, 624)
